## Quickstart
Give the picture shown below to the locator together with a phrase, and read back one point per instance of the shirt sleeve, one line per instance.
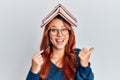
(32, 76)
(83, 73)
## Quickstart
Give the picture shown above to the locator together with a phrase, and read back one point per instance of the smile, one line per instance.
(59, 41)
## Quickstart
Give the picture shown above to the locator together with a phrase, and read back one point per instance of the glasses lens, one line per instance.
(64, 31)
(54, 32)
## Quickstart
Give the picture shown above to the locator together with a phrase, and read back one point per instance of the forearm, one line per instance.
(84, 73)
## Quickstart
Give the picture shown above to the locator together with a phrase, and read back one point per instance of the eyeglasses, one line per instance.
(63, 31)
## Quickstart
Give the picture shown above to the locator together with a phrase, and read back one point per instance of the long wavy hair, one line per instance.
(69, 60)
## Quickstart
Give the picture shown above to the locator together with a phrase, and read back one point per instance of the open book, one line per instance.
(63, 12)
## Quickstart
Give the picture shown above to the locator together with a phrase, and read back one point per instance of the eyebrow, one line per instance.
(53, 26)
(56, 27)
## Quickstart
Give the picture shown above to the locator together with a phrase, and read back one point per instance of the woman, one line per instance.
(61, 60)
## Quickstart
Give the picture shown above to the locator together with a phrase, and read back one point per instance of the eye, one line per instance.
(53, 30)
(64, 29)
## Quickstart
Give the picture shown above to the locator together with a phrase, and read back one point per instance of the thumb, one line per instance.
(91, 50)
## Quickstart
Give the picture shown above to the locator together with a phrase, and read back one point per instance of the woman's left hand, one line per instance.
(84, 56)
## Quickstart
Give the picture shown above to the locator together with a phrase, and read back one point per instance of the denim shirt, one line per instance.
(55, 73)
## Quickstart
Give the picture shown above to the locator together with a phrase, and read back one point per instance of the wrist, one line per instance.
(34, 71)
(84, 63)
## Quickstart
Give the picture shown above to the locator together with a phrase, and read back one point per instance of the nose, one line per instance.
(59, 33)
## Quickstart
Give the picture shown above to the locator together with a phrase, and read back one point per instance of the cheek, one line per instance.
(67, 38)
(51, 39)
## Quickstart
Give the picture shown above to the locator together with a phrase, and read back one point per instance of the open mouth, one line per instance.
(59, 41)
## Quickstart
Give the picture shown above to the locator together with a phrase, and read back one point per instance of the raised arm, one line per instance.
(84, 71)
(37, 61)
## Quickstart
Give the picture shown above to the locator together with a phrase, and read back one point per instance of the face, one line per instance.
(59, 34)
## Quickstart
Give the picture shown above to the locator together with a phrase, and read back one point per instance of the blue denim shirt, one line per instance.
(55, 73)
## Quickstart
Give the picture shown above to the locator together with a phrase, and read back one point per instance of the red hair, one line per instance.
(69, 60)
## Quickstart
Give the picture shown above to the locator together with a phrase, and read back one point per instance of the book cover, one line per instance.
(63, 12)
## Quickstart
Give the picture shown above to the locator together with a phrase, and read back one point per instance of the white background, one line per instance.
(20, 34)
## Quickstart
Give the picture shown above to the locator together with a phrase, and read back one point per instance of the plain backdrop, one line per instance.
(20, 34)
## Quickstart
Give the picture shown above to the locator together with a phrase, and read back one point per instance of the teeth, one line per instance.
(59, 40)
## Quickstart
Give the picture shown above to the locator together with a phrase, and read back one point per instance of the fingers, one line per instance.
(38, 57)
(84, 56)
(37, 62)
(91, 50)
(38, 53)
(87, 51)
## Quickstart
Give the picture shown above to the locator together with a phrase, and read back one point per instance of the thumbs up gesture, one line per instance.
(84, 56)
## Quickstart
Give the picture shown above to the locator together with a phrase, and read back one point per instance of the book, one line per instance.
(63, 12)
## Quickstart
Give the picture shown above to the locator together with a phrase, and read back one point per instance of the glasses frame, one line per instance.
(59, 30)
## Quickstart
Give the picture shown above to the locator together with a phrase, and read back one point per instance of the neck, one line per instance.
(58, 53)
(57, 56)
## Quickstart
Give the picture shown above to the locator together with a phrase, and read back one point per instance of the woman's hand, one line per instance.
(84, 56)
(37, 61)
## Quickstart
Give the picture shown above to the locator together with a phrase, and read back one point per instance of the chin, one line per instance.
(60, 47)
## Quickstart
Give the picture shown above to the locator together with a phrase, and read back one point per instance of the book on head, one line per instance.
(63, 12)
